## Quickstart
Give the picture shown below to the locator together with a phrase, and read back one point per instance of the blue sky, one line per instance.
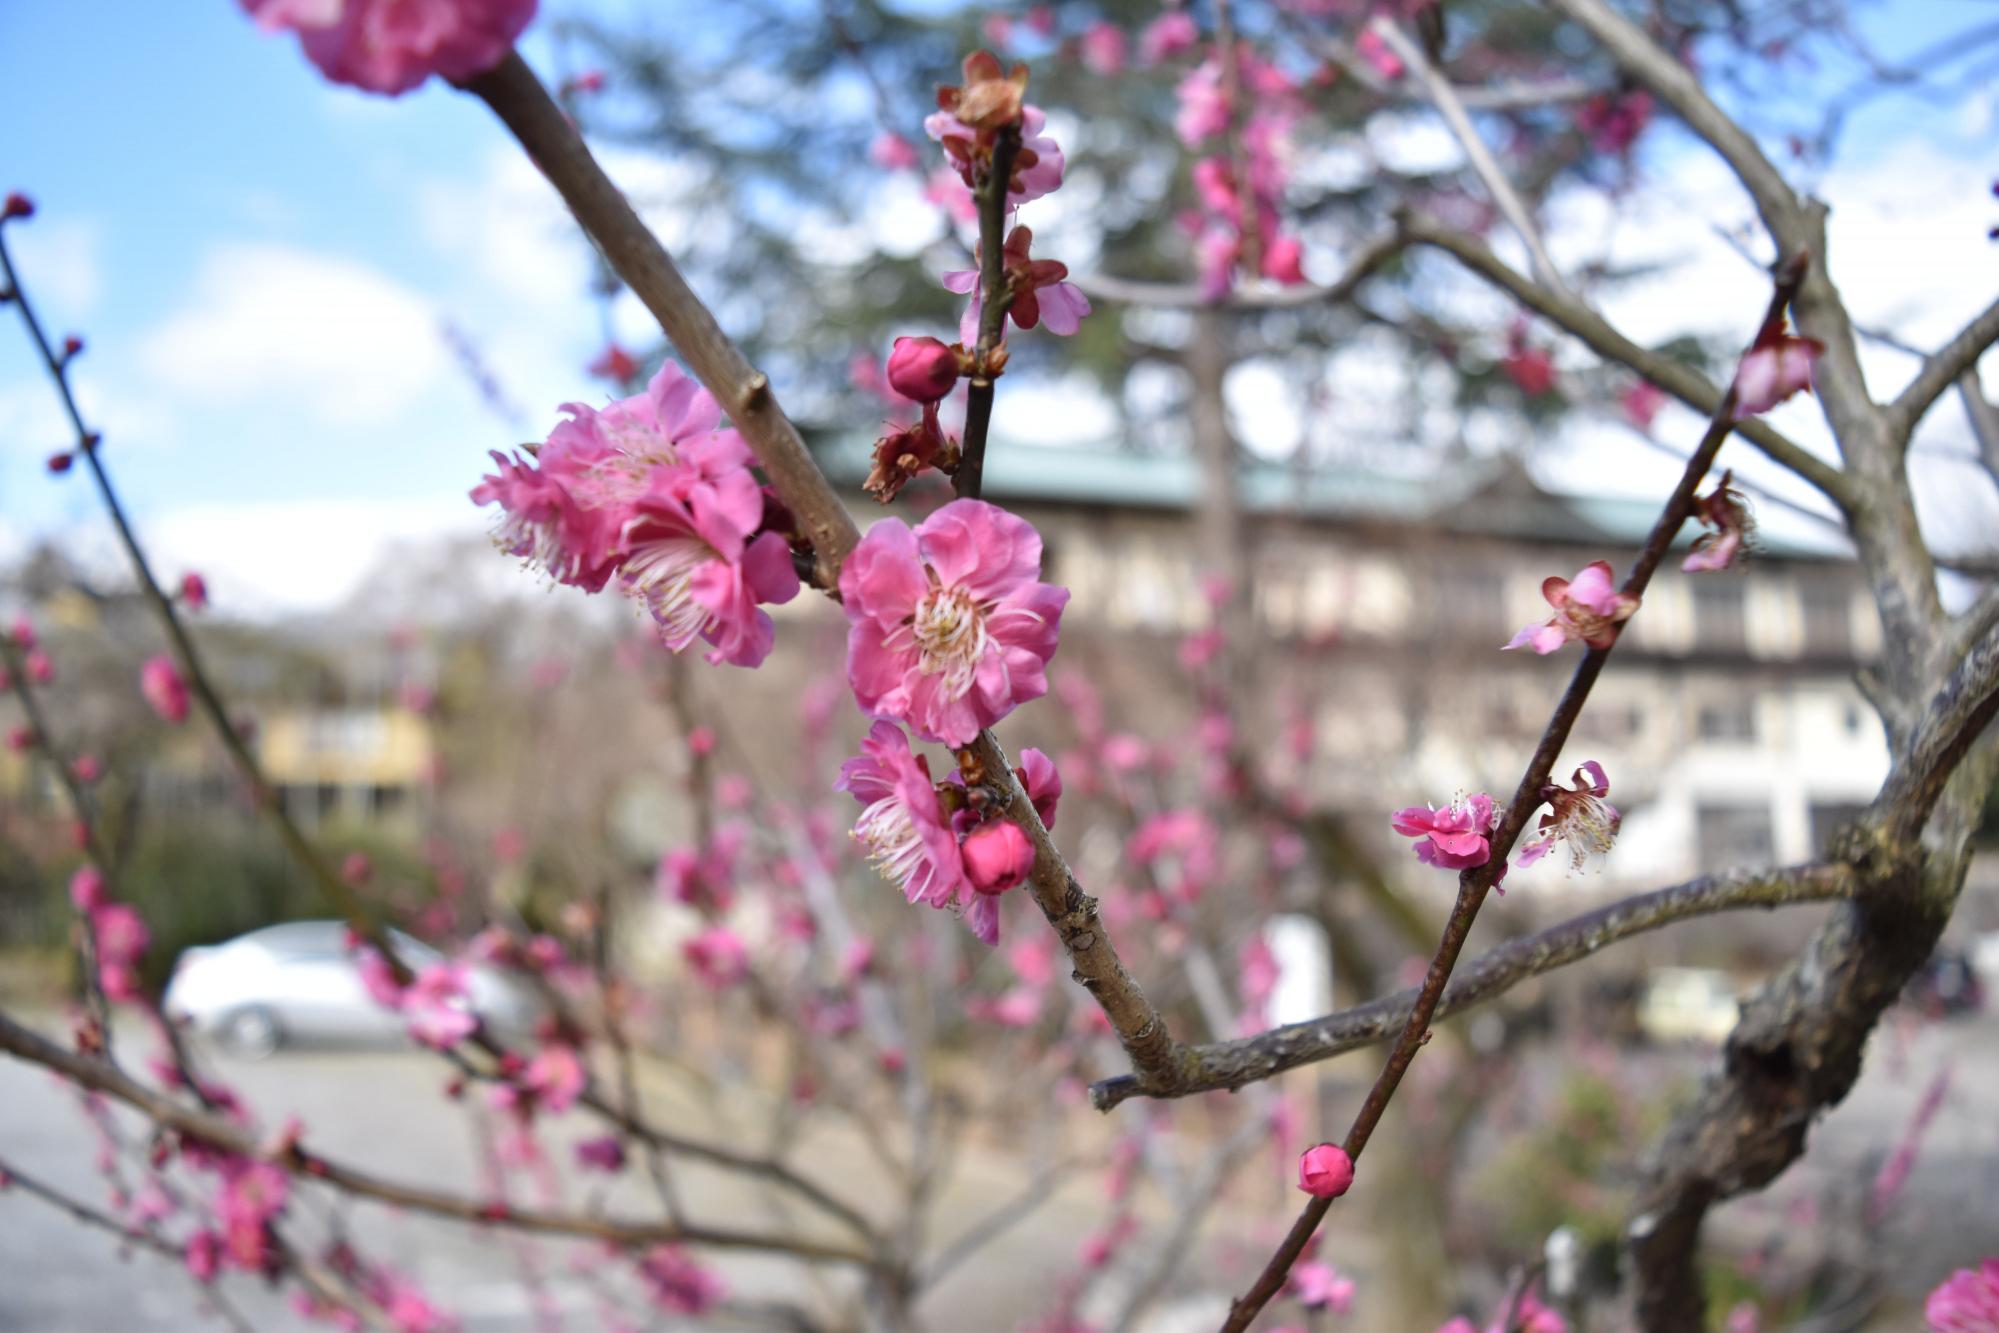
(262, 264)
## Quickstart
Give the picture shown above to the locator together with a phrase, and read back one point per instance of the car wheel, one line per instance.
(252, 1033)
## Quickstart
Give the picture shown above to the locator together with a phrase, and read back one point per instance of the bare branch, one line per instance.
(30, 1046)
(1231, 1064)
(1677, 87)
(1445, 99)
(1683, 383)
(524, 106)
(1475, 883)
(996, 291)
(1952, 361)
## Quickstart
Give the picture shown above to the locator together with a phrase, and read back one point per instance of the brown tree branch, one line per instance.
(996, 298)
(1684, 383)
(1944, 367)
(524, 106)
(1676, 86)
(1232, 1064)
(1445, 99)
(30, 1046)
(1475, 883)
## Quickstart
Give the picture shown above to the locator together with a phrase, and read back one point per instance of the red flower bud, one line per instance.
(922, 369)
(71, 345)
(997, 856)
(60, 463)
(18, 205)
(1325, 1172)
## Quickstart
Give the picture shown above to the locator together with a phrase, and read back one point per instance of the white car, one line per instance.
(298, 983)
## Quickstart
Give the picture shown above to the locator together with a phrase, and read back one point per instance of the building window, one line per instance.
(1718, 614)
(1735, 835)
(1726, 720)
(1828, 619)
(1830, 817)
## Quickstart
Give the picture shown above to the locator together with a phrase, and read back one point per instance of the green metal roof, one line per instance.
(1493, 497)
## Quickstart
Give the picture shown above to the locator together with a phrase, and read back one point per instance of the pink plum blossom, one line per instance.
(439, 1008)
(203, 1256)
(1102, 46)
(160, 682)
(120, 933)
(1530, 368)
(1588, 609)
(1037, 168)
(1641, 403)
(650, 489)
(905, 830)
(377, 977)
(1043, 784)
(718, 957)
(1731, 527)
(1040, 296)
(391, 46)
(86, 888)
(41, 667)
(1283, 261)
(1614, 123)
(692, 557)
(1325, 1172)
(1204, 104)
(892, 152)
(1776, 367)
(1371, 47)
(1320, 1286)
(949, 627)
(556, 1076)
(679, 1283)
(615, 364)
(1169, 35)
(1454, 838)
(1578, 816)
(1966, 1302)
(603, 1153)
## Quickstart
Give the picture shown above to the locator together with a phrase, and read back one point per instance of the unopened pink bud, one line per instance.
(194, 591)
(41, 668)
(1325, 1172)
(357, 869)
(71, 346)
(922, 369)
(160, 681)
(86, 768)
(18, 205)
(997, 856)
(86, 888)
(59, 462)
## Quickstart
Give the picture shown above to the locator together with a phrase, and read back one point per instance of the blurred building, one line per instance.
(1729, 721)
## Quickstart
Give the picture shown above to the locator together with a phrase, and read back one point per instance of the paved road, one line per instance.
(384, 1108)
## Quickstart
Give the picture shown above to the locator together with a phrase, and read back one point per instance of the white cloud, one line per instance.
(326, 335)
(297, 555)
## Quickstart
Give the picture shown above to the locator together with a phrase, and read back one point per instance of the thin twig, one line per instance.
(524, 106)
(225, 1134)
(1474, 884)
(1445, 99)
(997, 298)
(1232, 1064)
